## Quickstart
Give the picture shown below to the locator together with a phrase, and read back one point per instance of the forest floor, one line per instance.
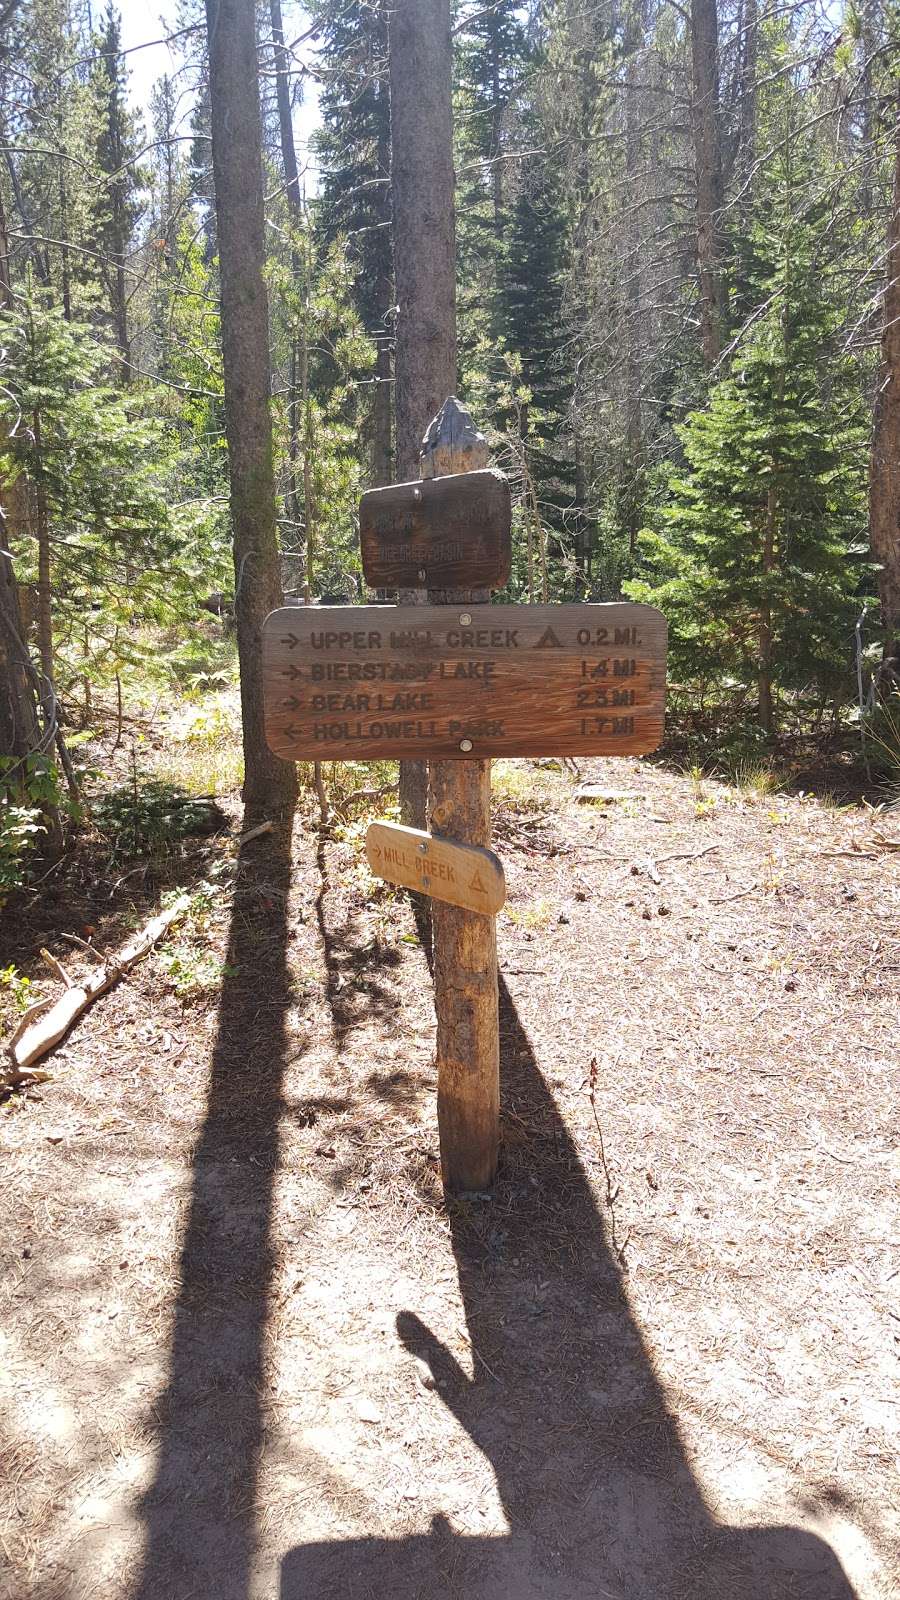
(248, 1352)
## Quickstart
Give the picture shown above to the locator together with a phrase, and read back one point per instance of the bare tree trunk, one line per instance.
(295, 208)
(708, 166)
(764, 631)
(64, 227)
(884, 477)
(747, 121)
(421, 57)
(382, 458)
(283, 96)
(299, 266)
(270, 785)
(44, 583)
(631, 498)
(120, 313)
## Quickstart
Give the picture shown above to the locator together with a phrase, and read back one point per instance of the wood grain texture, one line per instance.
(465, 992)
(365, 682)
(438, 533)
(464, 945)
(459, 874)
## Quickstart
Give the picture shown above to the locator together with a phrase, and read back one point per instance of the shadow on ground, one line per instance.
(199, 1512)
(590, 1467)
(591, 1470)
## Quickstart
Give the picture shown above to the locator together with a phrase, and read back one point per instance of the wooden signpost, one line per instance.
(463, 875)
(437, 533)
(458, 681)
(467, 681)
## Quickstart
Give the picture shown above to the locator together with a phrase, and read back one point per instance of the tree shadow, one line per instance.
(199, 1512)
(590, 1466)
(354, 965)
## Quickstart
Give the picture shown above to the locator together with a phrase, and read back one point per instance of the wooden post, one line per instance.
(464, 942)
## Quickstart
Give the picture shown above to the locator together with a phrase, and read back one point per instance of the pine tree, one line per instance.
(492, 61)
(354, 203)
(758, 558)
(533, 325)
(100, 474)
(119, 209)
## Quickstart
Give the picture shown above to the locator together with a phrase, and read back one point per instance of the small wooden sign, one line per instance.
(463, 874)
(438, 533)
(463, 682)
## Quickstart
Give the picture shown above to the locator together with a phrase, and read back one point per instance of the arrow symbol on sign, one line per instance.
(291, 672)
(292, 733)
(290, 641)
(291, 703)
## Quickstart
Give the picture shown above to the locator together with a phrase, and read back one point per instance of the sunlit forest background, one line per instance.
(674, 235)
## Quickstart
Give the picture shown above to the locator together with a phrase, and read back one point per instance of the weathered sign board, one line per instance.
(369, 682)
(462, 874)
(438, 533)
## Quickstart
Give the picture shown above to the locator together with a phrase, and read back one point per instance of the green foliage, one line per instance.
(191, 970)
(758, 558)
(18, 985)
(20, 830)
(319, 424)
(123, 542)
(148, 817)
(29, 787)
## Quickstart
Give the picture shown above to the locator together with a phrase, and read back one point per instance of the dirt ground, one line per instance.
(246, 1350)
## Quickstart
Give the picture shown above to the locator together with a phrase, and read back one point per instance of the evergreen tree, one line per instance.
(354, 203)
(533, 324)
(758, 559)
(104, 544)
(491, 66)
(119, 209)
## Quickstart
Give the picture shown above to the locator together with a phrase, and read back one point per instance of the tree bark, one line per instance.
(764, 631)
(421, 56)
(283, 96)
(382, 460)
(270, 785)
(708, 168)
(631, 496)
(464, 942)
(884, 475)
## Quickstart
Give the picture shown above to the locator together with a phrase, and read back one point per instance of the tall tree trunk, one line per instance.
(382, 458)
(283, 96)
(884, 477)
(299, 265)
(44, 583)
(708, 168)
(747, 122)
(295, 209)
(631, 498)
(270, 785)
(764, 631)
(421, 57)
(64, 225)
(120, 315)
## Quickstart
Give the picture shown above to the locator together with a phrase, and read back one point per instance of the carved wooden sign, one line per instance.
(438, 533)
(367, 682)
(462, 874)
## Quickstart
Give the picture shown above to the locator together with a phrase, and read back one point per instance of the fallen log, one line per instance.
(40, 1035)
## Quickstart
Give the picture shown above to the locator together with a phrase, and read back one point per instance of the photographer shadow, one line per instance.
(591, 1471)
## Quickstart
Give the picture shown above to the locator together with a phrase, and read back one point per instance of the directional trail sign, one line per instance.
(463, 682)
(438, 533)
(462, 874)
